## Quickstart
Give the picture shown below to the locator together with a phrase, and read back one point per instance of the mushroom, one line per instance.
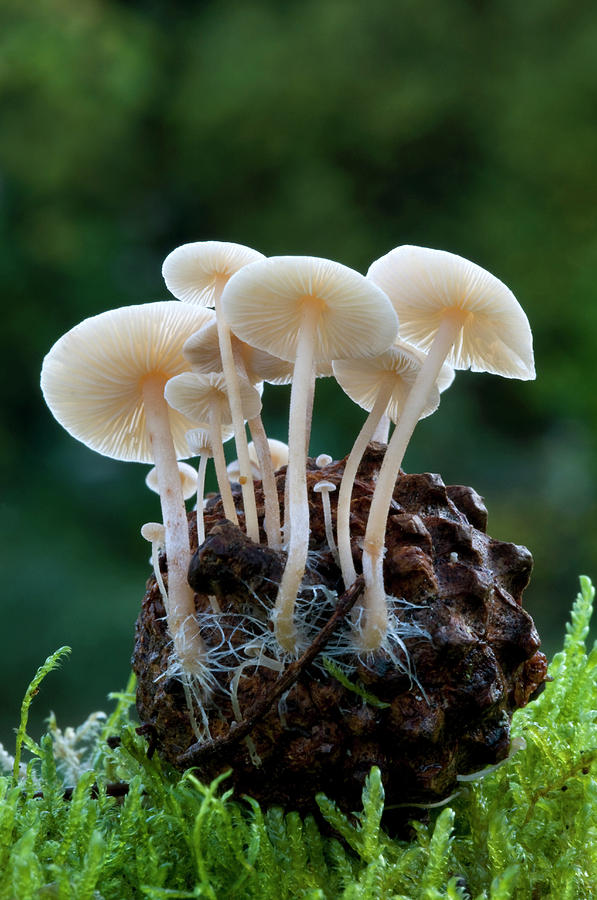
(188, 480)
(323, 460)
(380, 385)
(203, 352)
(104, 382)
(325, 488)
(197, 273)
(199, 442)
(205, 398)
(233, 471)
(459, 313)
(155, 533)
(278, 453)
(307, 310)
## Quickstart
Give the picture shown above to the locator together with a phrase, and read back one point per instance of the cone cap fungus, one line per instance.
(92, 378)
(426, 285)
(193, 271)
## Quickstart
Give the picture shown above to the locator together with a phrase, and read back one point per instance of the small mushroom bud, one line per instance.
(325, 488)
(155, 533)
(323, 460)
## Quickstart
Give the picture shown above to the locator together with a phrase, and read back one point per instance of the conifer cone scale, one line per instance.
(473, 653)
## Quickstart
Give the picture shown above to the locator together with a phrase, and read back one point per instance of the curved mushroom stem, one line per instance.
(238, 420)
(215, 431)
(374, 601)
(270, 492)
(296, 478)
(200, 494)
(154, 532)
(180, 611)
(365, 435)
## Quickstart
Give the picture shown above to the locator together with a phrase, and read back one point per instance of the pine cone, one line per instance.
(425, 709)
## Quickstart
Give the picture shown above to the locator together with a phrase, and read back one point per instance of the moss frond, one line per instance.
(523, 831)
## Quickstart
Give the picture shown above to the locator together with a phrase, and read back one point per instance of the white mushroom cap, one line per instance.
(233, 471)
(425, 284)
(193, 395)
(154, 532)
(264, 303)
(188, 479)
(199, 440)
(202, 350)
(323, 460)
(324, 486)
(192, 271)
(361, 378)
(278, 451)
(92, 378)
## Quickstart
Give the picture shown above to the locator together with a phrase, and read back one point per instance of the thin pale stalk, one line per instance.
(238, 420)
(215, 432)
(382, 432)
(296, 476)
(329, 527)
(310, 402)
(374, 602)
(264, 457)
(268, 482)
(355, 456)
(180, 612)
(155, 562)
(200, 494)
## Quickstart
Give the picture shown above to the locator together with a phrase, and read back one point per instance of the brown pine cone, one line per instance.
(431, 706)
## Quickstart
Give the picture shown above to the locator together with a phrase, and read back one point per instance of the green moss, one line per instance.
(525, 830)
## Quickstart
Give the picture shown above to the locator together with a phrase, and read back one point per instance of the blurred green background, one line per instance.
(335, 128)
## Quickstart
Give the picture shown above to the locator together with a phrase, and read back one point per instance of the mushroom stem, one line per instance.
(238, 421)
(310, 402)
(296, 479)
(189, 647)
(374, 602)
(215, 431)
(270, 492)
(355, 456)
(382, 432)
(200, 494)
(325, 488)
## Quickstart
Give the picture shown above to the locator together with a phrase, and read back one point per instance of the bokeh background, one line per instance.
(335, 128)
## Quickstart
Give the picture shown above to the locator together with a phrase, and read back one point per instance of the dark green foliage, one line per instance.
(521, 832)
(337, 128)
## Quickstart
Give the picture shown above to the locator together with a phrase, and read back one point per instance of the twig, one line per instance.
(199, 752)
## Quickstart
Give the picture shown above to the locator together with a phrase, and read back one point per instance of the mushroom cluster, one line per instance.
(161, 382)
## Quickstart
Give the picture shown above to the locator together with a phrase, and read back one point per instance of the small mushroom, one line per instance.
(155, 533)
(205, 398)
(233, 471)
(197, 273)
(323, 460)
(199, 442)
(306, 310)
(278, 452)
(459, 313)
(325, 488)
(104, 382)
(188, 480)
